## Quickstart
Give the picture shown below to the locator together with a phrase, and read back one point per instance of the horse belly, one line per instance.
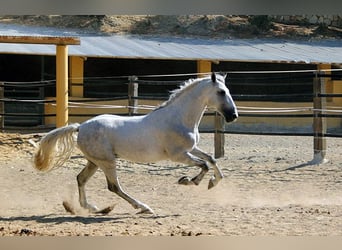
(142, 156)
(140, 150)
(130, 138)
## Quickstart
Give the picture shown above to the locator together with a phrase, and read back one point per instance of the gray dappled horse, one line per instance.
(170, 132)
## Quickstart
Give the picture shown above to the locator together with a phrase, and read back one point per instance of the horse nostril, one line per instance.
(235, 115)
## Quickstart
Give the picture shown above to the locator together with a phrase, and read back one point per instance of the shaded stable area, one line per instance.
(272, 81)
(291, 86)
(27, 77)
(61, 67)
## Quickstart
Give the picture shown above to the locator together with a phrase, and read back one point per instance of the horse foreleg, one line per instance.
(218, 175)
(190, 159)
(82, 179)
(114, 186)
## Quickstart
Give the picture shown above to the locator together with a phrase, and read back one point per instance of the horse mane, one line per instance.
(187, 85)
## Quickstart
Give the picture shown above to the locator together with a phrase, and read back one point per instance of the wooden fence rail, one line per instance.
(318, 114)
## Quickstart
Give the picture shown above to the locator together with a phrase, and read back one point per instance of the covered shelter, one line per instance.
(207, 53)
(61, 44)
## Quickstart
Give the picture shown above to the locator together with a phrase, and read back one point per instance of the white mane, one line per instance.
(187, 85)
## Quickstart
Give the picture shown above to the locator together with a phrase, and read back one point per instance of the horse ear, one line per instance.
(213, 77)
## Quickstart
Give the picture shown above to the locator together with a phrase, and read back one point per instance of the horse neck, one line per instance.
(189, 106)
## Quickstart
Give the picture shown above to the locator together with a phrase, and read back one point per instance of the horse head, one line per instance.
(219, 97)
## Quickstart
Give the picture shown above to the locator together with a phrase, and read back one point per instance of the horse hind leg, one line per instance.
(82, 179)
(114, 185)
(218, 175)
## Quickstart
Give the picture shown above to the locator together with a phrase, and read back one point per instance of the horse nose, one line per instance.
(230, 114)
(231, 117)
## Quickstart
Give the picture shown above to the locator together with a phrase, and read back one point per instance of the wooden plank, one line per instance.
(41, 40)
(61, 86)
(319, 122)
(203, 66)
(132, 93)
(2, 107)
(76, 76)
(219, 135)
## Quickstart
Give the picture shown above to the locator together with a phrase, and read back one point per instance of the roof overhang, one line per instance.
(175, 48)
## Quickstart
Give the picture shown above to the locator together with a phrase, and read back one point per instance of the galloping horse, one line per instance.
(170, 132)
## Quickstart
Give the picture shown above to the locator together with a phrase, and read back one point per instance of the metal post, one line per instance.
(319, 122)
(132, 95)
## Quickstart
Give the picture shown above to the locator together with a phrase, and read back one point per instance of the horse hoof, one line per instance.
(68, 207)
(105, 210)
(185, 180)
(212, 182)
(145, 211)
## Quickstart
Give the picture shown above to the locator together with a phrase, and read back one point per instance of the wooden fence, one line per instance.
(318, 112)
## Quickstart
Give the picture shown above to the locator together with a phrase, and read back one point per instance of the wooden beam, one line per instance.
(2, 107)
(41, 40)
(76, 76)
(132, 93)
(326, 68)
(203, 66)
(319, 122)
(61, 85)
(337, 89)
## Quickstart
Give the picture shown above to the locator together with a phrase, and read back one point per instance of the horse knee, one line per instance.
(212, 160)
(204, 167)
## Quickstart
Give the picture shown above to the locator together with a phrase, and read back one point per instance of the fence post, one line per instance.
(132, 94)
(62, 95)
(2, 107)
(219, 135)
(319, 122)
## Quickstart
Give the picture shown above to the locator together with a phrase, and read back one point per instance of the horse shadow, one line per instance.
(299, 166)
(60, 219)
(53, 219)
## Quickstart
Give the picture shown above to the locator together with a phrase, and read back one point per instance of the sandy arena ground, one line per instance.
(266, 191)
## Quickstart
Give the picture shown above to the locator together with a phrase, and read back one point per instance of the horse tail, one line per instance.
(55, 148)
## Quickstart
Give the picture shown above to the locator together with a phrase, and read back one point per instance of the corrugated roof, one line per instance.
(131, 46)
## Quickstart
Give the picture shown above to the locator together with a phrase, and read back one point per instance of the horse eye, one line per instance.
(221, 92)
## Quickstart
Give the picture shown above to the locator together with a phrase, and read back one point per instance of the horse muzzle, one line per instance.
(229, 115)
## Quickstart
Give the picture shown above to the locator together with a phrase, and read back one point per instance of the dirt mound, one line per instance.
(213, 26)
